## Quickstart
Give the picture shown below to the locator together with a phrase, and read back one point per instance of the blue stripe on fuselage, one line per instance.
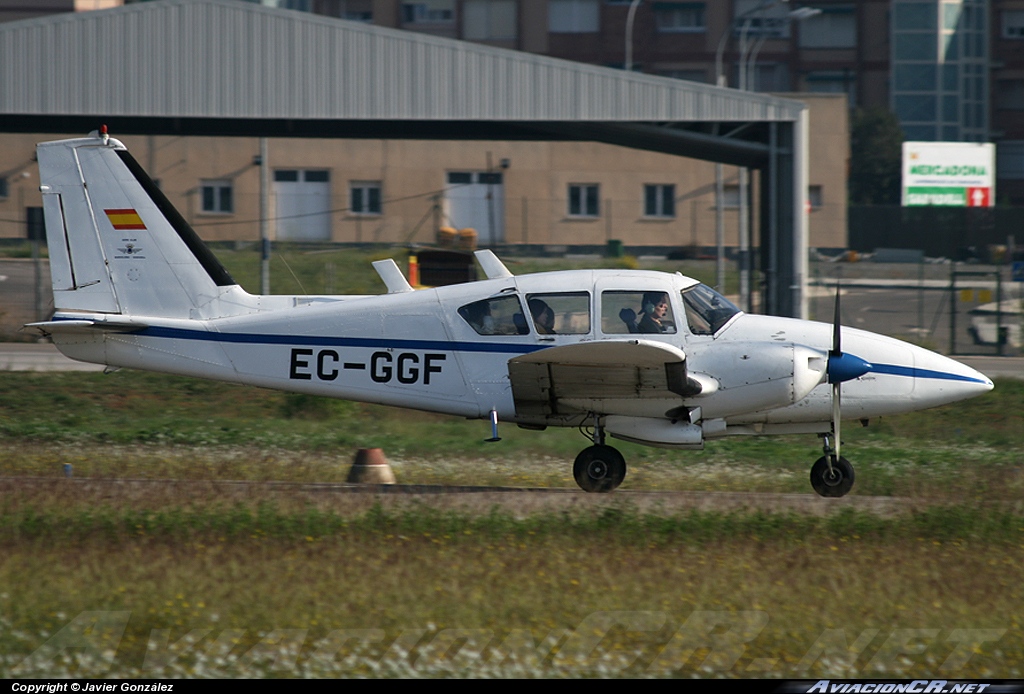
(323, 341)
(911, 372)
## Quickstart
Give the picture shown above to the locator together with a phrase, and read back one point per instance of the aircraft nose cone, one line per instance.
(944, 380)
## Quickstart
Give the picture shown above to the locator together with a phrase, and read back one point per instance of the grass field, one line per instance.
(183, 580)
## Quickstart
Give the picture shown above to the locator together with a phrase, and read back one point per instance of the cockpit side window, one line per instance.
(707, 310)
(501, 315)
(563, 313)
(636, 312)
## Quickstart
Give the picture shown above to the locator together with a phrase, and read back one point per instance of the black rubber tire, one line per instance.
(839, 483)
(599, 469)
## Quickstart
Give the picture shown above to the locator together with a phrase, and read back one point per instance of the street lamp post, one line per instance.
(747, 63)
(629, 34)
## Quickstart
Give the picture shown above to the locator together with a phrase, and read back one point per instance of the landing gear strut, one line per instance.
(599, 468)
(831, 474)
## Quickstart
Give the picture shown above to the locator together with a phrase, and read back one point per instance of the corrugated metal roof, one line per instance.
(229, 59)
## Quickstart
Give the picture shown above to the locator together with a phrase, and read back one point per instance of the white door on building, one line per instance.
(476, 200)
(303, 204)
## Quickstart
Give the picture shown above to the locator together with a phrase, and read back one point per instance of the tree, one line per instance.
(876, 152)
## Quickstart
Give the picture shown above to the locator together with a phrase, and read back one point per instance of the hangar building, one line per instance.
(380, 135)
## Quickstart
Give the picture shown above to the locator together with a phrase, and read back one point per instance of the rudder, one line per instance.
(116, 243)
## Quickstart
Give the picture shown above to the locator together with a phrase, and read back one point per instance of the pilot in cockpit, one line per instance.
(653, 312)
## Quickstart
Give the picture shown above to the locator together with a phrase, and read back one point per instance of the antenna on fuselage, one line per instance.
(392, 276)
(492, 266)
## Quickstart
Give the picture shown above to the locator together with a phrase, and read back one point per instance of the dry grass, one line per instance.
(574, 604)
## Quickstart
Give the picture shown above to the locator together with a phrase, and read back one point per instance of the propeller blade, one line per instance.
(836, 417)
(836, 344)
(842, 367)
(836, 362)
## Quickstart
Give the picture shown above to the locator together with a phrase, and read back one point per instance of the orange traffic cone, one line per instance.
(370, 467)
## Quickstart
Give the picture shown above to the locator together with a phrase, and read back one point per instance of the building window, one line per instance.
(4, 191)
(490, 20)
(428, 12)
(835, 27)
(815, 199)
(769, 20)
(1010, 95)
(731, 196)
(584, 200)
(1013, 24)
(660, 200)
(767, 77)
(915, 16)
(218, 197)
(364, 197)
(679, 16)
(1010, 160)
(574, 16)
(353, 10)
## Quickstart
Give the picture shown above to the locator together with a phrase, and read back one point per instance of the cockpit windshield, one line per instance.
(707, 310)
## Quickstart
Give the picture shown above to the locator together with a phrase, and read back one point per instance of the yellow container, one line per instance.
(467, 239)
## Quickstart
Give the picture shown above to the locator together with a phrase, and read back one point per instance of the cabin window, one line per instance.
(707, 310)
(636, 312)
(501, 315)
(560, 314)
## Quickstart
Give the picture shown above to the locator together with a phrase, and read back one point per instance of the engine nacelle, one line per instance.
(756, 376)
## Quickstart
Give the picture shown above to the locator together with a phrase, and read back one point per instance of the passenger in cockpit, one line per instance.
(543, 316)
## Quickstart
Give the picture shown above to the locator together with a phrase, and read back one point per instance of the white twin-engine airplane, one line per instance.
(648, 357)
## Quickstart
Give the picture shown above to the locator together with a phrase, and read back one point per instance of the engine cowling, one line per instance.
(755, 376)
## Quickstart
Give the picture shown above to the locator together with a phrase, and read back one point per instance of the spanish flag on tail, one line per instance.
(125, 220)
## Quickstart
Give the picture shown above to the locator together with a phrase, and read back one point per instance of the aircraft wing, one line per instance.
(637, 377)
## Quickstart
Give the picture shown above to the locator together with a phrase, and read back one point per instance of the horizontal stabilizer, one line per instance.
(81, 327)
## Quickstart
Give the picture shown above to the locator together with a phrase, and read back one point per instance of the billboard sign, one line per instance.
(949, 174)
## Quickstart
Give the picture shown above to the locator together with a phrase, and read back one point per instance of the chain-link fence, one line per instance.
(953, 308)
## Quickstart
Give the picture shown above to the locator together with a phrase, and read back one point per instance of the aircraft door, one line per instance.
(487, 333)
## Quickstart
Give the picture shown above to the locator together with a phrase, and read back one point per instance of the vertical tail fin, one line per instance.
(116, 243)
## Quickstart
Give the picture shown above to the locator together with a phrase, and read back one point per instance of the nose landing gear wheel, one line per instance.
(835, 482)
(599, 469)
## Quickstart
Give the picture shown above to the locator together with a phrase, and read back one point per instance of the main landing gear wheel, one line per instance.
(834, 482)
(599, 468)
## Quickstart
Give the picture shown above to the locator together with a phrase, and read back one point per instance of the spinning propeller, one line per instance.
(841, 367)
